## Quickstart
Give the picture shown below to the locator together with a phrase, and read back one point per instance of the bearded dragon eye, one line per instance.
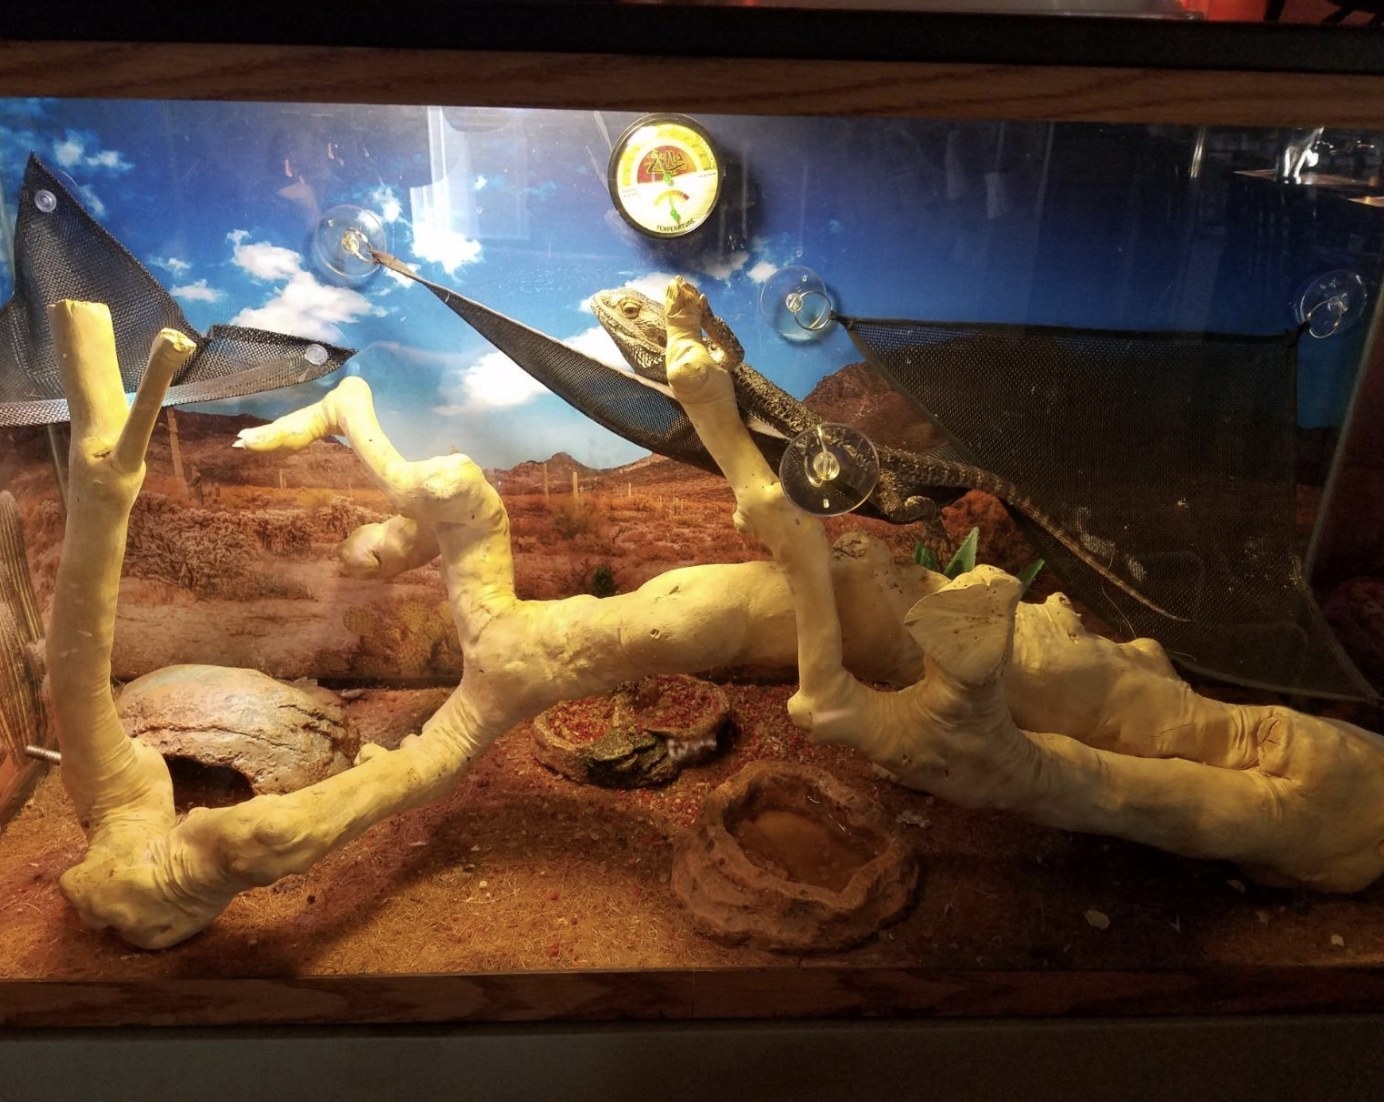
(629, 308)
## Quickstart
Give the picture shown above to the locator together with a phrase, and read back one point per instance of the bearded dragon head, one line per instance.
(635, 323)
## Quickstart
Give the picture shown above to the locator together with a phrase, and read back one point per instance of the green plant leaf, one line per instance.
(1028, 573)
(965, 557)
(924, 557)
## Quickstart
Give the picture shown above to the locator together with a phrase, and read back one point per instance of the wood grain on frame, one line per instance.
(737, 86)
(786, 992)
(769, 87)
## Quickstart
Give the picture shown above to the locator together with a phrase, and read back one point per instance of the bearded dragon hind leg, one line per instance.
(896, 502)
(924, 510)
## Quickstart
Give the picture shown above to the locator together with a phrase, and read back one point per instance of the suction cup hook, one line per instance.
(795, 303)
(1331, 303)
(45, 201)
(346, 240)
(829, 469)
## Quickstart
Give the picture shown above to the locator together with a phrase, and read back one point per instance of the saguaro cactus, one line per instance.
(16, 589)
(21, 720)
(21, 635)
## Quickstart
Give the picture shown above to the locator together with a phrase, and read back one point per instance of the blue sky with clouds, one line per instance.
(903, 218)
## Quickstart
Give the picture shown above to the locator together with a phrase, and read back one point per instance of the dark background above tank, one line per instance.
(690, 30)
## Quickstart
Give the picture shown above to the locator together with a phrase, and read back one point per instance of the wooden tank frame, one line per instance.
(725, 60)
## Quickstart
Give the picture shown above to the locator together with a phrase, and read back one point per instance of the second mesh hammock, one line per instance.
(1168, 455)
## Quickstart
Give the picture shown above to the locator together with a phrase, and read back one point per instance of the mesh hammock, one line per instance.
(61, 252)
(1168, 457)
(616, 400)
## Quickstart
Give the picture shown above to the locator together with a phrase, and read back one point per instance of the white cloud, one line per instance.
(387, 203)
(479, 184)
(492, 382)
(762, 271)
(596, 343)
(444, 246)
(196, 292)
(653, 284)
(68, 152)
(262, 260)
(170, 264)
(493, 437)
(109, 158)
(306, 308)
(92, 202)
(71, 151)
(495, 382)
(723, 268)
(443, 213)
(302, 306)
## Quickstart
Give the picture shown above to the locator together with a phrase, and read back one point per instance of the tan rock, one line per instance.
(638, 735)
(787, 857)
(280, 737)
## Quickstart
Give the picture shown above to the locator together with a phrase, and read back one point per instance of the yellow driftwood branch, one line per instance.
(1022, 709)
(1138, 754)
(158, 882)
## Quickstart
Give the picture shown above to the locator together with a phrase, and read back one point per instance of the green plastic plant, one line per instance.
(965, 559)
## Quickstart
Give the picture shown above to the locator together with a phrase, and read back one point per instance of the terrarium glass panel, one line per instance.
(991, 360)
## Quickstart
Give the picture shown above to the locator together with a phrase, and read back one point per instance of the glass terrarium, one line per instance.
(794, 542)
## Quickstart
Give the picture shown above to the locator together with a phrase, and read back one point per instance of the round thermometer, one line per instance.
(664, 175)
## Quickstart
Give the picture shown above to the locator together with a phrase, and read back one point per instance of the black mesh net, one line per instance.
(62, 252)
(1168, 457)
(643, 414)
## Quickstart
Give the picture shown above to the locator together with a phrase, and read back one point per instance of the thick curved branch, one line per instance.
(1115, 742)
(990, 662)
(158, 883)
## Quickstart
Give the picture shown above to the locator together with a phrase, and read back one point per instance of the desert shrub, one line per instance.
(584, 576)
(405, 639)
(642, 503)
(341, 516)
(44, 522)
(572, 521)
(274, 587)
(282, 532)
(311, 498)
(247, 497)
(201, 550)
(330, 662)
(603, 581)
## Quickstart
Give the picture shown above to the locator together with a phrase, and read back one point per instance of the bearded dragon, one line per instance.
(911, 487)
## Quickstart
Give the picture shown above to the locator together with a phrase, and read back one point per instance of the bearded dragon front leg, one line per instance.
(931, 729)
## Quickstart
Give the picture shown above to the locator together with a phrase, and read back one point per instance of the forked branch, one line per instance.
(1014, 706)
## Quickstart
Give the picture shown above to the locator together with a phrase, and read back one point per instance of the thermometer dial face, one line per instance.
(665, 175)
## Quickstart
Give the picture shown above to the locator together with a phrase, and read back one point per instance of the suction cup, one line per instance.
(829, 469)
(795, 303)
(345, 242)
(1331, 303)
(45, 201)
